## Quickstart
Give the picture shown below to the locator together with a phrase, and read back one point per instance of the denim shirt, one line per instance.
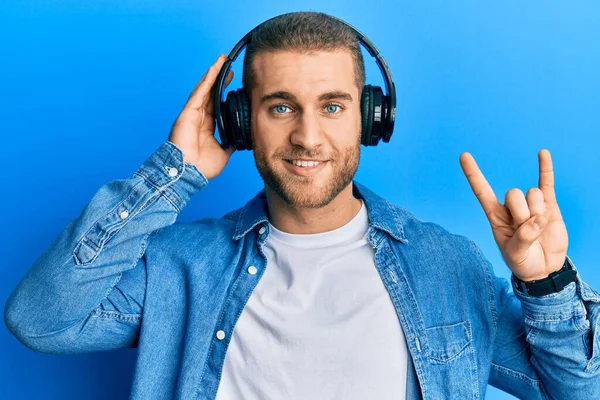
(123, 274)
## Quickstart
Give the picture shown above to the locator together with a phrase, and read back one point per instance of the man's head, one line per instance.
(304, 74)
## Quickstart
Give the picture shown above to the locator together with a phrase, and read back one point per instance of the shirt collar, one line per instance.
(382, 214)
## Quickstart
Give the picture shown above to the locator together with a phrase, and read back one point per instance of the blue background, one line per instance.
(89, 89)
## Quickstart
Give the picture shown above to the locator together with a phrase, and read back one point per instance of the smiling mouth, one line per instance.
(319, 161)
(306, 170)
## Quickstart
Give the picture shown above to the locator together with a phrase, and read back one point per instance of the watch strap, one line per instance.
(553, 283)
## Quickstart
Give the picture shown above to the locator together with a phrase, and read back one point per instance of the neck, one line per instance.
(290, 219)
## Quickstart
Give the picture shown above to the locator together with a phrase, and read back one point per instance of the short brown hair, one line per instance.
(303, 31)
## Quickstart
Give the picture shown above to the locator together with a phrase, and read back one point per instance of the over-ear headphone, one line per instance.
(378, 111)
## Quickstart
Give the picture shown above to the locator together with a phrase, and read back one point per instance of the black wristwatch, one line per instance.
(555, 282)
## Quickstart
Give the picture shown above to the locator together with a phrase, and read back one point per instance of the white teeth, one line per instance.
(301, 163)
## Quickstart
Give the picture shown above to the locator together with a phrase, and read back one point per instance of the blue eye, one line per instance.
(280, 108)
(332, 108)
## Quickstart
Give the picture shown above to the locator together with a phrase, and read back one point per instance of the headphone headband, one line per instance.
(381, 63)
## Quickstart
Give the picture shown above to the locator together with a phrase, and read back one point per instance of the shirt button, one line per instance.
(172, 171)
(124, 214)
(220, 335)
(252, 270)
(262, 230)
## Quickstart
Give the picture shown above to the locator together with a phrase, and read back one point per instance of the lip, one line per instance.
(305, 171)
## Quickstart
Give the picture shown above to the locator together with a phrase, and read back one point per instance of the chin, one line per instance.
(305, 192)
(318, 198)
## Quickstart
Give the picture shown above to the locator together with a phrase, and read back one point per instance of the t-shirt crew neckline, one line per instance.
(353, 230)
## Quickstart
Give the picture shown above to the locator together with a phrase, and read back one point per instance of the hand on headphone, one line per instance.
(193, 130)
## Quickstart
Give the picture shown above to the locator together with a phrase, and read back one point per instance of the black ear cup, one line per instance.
(229, 122)
(374, 108)
(245, 115)
(365, 112)
(237, 120)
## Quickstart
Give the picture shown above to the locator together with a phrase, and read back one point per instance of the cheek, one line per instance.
(345, 132)
(267, 134)
(259, 132)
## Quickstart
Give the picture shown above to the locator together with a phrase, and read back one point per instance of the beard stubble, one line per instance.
(301, 191)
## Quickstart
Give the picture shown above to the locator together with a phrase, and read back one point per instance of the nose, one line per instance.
(307, 133)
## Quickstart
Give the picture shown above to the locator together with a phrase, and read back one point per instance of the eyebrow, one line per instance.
(283, 95)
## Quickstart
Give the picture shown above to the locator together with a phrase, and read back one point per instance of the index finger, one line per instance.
(546, 180)
(199, 96)
(480, 186)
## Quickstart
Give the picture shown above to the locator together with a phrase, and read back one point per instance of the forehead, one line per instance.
(304, 74)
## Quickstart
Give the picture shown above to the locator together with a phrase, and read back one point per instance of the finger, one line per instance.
(200, 95)
(203, 94)
(210, 106)
(204, 77)
(535, 202)
(195, 90)
(546, 179)
(229, 78)
(517, 205)
(480, 186)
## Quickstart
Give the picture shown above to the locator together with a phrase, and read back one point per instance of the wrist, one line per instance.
(537, 278)
(552, 283)
(533, 279)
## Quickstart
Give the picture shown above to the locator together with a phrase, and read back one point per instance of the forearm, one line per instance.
(84, 263)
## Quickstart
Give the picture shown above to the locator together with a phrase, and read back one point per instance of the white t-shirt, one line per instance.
(319, 325)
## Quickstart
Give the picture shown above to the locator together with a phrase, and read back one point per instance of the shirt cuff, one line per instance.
(560, 305)
(166, 170)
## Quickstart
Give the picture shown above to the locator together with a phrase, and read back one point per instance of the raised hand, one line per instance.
(193, 130)
(529, 231)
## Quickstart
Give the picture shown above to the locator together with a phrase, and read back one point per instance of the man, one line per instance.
(333, 291)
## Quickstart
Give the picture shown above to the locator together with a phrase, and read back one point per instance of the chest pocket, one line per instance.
(451, 368)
